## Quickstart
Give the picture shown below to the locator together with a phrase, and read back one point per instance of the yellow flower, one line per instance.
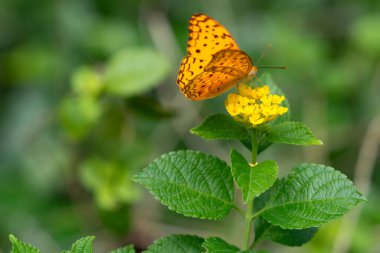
(254, 106)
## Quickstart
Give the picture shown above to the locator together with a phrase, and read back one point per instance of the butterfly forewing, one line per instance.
(190, 67)
(207, 37)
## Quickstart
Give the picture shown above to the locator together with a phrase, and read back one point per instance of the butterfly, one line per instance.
(214, 63)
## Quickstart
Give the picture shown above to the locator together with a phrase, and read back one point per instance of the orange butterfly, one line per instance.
(214, 63)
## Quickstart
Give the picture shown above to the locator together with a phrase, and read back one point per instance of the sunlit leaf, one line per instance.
(191, 183)
(21, 247)
(312, 195)
(252, 180)
(83, 245)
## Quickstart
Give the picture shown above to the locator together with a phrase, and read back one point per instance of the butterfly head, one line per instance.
(253, 71)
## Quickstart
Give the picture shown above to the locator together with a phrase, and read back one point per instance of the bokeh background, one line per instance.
(88, 98)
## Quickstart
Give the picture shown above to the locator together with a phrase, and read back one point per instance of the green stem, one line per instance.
(249, 214)
(255, 146)
(248, 225)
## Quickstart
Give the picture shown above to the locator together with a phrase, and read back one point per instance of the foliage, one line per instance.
(199, 185)
(58, 114)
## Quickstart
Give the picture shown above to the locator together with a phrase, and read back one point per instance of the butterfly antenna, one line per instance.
(269, 46)
(279, 67)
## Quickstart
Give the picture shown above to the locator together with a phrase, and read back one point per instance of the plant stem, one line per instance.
(248, 225)
(249, 214)
(255, 146)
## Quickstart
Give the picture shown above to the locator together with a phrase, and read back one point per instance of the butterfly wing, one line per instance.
(211, 51)
(190, 67)
(231, 58)
(207, 37)
(225, 69)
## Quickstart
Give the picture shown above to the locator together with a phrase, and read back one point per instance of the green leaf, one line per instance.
(128, 73)
(296, 133)
(177, 244)
(83, 245)
(21, 247)
(220, 127)
(78, 115)
(86, 81)
(291, 237)
(312, 195)
(191, 183)
(126, 249)
(364, 33)
(217, 245)
(252, 180)
(109, 181)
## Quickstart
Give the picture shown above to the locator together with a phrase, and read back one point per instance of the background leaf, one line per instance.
(21, 247)
(296, 133)
(191, 183)
(129, 73)
(220, 127)
(312, 195)
(177, 244)
(252, 180)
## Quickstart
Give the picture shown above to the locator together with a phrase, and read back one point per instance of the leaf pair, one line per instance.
(201, 186)
(223, 127)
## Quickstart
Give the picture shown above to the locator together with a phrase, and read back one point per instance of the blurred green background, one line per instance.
(88, 98)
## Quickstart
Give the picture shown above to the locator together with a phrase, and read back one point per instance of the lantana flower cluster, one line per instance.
(254, 106)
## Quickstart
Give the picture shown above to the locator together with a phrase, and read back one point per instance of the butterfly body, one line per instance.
(214, 62)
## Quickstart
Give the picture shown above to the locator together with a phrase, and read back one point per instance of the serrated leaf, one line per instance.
(126, 74)
(21, 247)
(218, 245)
(290, 132)
(126, 249)
(312, 195)
(291, 237)
(220, 127)
(177, 244)
(83, 245)
(252, 180)
(190, 183)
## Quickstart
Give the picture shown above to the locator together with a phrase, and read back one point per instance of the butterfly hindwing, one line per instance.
(231, 58)
(211, 83)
